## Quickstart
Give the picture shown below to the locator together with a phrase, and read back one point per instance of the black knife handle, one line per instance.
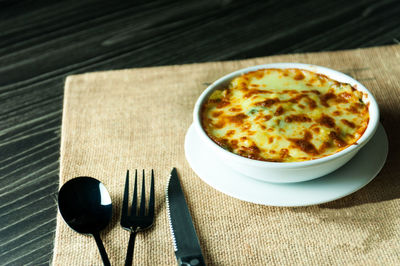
(191, 261)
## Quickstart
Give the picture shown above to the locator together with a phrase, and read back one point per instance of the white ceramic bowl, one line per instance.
(287, 172)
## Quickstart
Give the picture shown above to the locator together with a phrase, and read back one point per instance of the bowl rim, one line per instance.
(373, 110)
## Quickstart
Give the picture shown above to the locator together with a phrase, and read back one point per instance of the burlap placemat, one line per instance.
(137, 118)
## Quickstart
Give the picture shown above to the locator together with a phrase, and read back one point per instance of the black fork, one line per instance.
(138, 219)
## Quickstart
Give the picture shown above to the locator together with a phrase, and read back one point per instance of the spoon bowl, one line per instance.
(86, 207)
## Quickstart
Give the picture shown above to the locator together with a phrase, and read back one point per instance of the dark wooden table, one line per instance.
(43, 41)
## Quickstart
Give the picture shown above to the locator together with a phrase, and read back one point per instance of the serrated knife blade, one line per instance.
(184, 237)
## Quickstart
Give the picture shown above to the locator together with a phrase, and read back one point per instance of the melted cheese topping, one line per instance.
(285, 115)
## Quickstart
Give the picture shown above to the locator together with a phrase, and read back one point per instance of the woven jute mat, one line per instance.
(137, 119)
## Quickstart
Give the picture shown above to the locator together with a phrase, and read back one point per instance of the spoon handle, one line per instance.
(102, 250)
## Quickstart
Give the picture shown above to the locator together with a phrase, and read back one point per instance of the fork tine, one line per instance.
(134, 197)
(124, 212)
(151, 200)
(143, 198)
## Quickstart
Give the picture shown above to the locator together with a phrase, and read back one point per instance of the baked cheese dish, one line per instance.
(285, 115)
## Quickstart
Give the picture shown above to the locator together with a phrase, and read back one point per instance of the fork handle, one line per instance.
(131, 244)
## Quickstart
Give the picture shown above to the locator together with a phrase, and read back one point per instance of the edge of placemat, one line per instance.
(62, 147)
(103, 72)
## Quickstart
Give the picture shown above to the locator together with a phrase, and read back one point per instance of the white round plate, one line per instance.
(354, 175)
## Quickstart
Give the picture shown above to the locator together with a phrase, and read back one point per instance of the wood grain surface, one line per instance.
(41, 42)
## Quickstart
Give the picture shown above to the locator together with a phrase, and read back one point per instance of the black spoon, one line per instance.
(85, 205)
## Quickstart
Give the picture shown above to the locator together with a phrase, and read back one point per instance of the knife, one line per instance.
(184, 238)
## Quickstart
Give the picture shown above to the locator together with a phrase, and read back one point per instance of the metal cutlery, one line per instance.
(85, 205)
(137, 219)
(184, 238)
